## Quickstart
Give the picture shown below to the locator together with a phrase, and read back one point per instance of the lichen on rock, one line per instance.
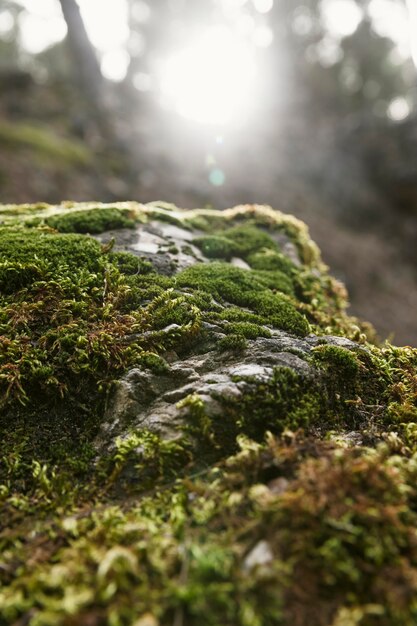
(194, 430)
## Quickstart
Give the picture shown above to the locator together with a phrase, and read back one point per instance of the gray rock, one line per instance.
(143, 399)
(261, 554)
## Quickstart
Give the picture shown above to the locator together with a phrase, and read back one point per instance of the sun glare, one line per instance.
(41, 26)
(211, 79)
(341, 17)
(412, 8)
(109, 33)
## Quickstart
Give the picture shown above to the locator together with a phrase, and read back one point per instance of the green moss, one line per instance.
(287, 400)
(224, 522)
(244, 288)
(397, 372)
(248, 330)
(275, 280)
(91, 221)
(335, 524)
(145, 455)
(130, 264)
(72, 251)
(220, 279)
(271, 260)
(362, 518)
(235, 314)
(278, 311)
(337, 360)
(30, 256)
(154, 362)
(188, 250)
(248, 239)
(233, 343)
(321, 298)
(238, 241)
(166, 216)
(69, 318)
(215, 247)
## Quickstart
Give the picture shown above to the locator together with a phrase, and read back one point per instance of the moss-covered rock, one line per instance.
(193, 429)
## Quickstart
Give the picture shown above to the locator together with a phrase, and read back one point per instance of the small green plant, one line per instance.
(233, 343)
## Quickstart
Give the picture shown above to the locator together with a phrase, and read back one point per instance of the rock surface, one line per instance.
(194, 430)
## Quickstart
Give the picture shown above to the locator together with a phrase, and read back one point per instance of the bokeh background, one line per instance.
(309, 106)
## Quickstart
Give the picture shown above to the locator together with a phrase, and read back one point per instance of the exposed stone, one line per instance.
(260, 554)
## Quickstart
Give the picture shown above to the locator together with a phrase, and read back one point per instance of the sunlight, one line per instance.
(398, 109)
(341, 17)
(108, 29)
(41, 26)
(412, 9)
(6, 22)
(114, 64)
(211, 79)
(263, 6)
(109, 34)
(391, 19)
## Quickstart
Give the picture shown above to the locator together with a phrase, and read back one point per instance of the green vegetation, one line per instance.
(216, 247)
(71, 320)
(41, 140)
(129, 264)
(339, 361)
(286, 400)
(154, 362)
(238, 545)
(248, 330)
(271, 260)
(246, 289)
(290, 495)
(93, 221)
(233, 342)
(236, 241)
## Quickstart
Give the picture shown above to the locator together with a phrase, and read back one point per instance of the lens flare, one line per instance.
(212, 79)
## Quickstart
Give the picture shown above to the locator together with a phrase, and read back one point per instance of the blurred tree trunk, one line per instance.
(88, 69)
(103, 113)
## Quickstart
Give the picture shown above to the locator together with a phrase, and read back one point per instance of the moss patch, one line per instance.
(233, 342)
(92, 221)
(291, 499)
(278, 520)
(246, 289)
(238, 241)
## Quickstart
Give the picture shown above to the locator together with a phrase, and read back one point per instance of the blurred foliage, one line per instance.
(334, 73)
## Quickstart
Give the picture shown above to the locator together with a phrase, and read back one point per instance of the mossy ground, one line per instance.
(48, 146)
(269, 515)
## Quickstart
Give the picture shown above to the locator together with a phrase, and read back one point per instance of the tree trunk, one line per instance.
(88, 69)
(93, 87)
